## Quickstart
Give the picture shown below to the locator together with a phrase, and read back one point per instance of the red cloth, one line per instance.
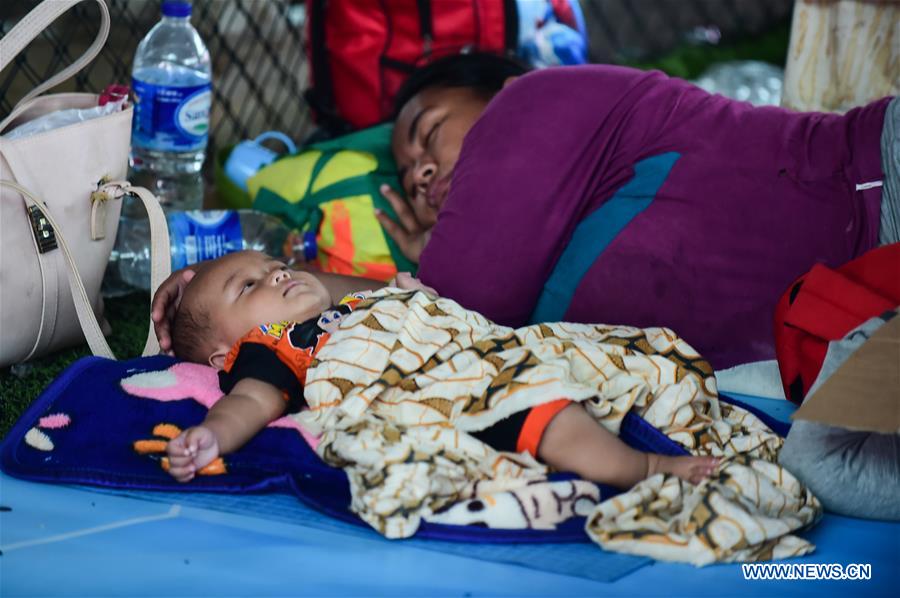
(824, 305)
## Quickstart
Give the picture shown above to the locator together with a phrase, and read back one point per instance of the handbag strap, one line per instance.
(160, 266)
(30, 27)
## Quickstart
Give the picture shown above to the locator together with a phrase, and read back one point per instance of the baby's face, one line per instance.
(245, 289)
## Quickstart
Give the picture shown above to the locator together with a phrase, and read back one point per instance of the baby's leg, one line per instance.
(574, 441)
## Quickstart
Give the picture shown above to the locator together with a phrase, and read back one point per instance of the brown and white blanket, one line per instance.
(399, 386)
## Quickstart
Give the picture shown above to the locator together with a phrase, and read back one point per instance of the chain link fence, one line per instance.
(259, 62)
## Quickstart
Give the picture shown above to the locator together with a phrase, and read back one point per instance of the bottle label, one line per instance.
(198, 236)
(169, 118)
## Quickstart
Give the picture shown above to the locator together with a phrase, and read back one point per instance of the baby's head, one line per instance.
(231, 295)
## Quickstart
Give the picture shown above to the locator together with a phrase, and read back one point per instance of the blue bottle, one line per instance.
(200, 235)
(171, 81)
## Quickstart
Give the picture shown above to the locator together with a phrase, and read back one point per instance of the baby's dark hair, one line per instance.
(484, 72)
(191, 333)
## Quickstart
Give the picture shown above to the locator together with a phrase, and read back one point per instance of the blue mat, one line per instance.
(100, 425)
(64, 541)
(578, 559)
(117, 541)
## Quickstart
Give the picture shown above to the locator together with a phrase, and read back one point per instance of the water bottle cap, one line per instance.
(176, 8)
(310, 247)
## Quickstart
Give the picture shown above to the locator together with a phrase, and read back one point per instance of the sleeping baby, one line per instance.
(263, 326)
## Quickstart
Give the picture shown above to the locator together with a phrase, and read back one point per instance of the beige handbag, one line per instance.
(58, 213)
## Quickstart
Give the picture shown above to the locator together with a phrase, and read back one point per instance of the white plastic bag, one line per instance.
(61, 118)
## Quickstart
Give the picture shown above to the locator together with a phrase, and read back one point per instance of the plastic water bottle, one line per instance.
(171, 81)
(199, 235)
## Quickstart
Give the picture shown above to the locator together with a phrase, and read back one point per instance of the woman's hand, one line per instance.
(165, 302)
(413, 230)
(406, 281)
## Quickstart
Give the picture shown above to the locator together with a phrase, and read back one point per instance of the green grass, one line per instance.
(689, 61)
(130, 318)
(129, 315)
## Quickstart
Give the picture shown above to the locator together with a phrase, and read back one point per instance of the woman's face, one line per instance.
(426, 142)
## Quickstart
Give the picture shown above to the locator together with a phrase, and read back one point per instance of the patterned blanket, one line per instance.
(406, 377)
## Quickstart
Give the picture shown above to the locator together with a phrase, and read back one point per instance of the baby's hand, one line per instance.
(405, 281)
(191, 451)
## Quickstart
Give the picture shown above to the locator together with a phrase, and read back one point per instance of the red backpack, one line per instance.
(825, 304)
(361, 51)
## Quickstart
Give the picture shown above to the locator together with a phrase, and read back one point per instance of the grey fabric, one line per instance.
(853, 473)
(889, 230)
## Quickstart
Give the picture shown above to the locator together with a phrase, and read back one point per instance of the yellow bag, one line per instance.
(332, 190)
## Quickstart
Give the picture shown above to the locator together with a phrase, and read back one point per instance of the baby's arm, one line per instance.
(231, 422)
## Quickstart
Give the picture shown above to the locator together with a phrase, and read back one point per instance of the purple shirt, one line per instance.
(754, 198)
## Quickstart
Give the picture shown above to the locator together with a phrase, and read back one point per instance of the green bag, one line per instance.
(331, 188)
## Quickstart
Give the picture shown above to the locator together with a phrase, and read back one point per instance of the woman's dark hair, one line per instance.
(481, 71)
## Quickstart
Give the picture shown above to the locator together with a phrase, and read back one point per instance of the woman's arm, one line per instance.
(340, 285)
